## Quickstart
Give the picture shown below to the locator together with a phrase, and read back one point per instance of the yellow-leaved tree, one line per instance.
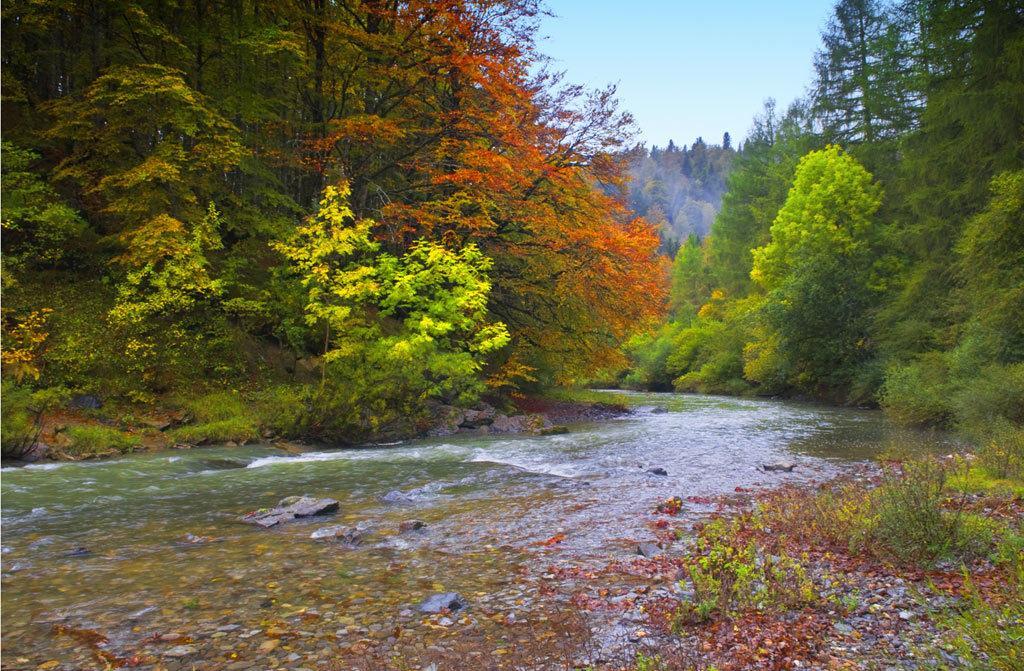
(398, 330)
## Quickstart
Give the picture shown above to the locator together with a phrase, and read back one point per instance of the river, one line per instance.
(168, 575)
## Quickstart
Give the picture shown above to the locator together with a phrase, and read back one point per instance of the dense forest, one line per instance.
(870, 247)
(351, 207)
(679, 191)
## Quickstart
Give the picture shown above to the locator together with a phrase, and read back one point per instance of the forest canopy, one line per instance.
(218, 192)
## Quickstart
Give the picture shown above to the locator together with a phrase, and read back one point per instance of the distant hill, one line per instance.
(679, 189)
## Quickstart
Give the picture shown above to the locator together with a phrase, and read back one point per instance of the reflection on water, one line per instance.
(487, 502)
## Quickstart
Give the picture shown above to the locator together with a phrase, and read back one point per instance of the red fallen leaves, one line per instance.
(94, 640)
(554, 540)
(702, 500)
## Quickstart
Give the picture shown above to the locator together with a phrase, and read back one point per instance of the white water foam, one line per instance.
(523, 463)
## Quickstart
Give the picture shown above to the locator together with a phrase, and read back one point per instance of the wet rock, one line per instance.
(395, 496)
(291, 508)
(180, 651)
(85, 402)
(483, 415)
(657, 470)
(223, 464)
(405, 526)
(436, 603)
(648, 550)
(780, 466)
(554, 430)
(78, 552)
(659, 411)
(519, 423)
(350, 535)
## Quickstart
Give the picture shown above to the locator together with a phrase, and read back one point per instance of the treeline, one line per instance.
(381, 199)
(870, 247)
(679, 191)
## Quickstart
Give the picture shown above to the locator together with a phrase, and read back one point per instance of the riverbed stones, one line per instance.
(648, 550)
(349, 535)
(779, 467)
(180, 651)
(289, 509)
(436, 603)
(395, 496)
(405, 526)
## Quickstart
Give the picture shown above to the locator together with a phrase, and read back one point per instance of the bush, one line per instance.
(730, 574)
(93, 440)
(23, 410)
(908, 518)
(918, 393)
(913, 516)
(1002, 454)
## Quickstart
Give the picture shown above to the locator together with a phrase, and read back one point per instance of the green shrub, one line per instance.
(1002, 453)
(918, 393)
(23, 410)
(94, 440)
(731, 574)
(284, 409)
(908, 518)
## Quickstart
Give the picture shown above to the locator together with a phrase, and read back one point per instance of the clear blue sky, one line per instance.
(688, 67)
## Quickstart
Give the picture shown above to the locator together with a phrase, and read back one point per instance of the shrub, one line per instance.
(93, 440)
(918, 393)
(23, 410)
(913, 516)
(908, 518)
(1002, 453)
(730, 574)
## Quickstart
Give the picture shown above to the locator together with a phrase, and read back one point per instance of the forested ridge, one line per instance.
(679, 191)
(352, 207)
(869, 247)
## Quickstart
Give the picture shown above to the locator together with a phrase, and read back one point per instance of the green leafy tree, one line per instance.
(821, 273)
(40, 230)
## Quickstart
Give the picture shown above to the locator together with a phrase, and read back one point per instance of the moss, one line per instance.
(94, 440)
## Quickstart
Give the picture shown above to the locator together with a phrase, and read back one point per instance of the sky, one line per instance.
(688, 68)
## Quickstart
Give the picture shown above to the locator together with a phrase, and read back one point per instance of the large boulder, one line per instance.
(289, 509)
(476, 417)
(519, 423)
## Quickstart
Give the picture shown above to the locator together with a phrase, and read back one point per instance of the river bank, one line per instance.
(539, 535)
(86, 426)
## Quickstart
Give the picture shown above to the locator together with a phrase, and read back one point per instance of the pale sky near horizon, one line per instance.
(688, 68)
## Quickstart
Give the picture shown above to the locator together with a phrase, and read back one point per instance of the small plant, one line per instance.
(730, 574)
(191, 603)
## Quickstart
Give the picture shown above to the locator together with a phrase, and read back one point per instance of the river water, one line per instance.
(170, 579)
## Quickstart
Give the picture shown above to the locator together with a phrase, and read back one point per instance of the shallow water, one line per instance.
(488, 501)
